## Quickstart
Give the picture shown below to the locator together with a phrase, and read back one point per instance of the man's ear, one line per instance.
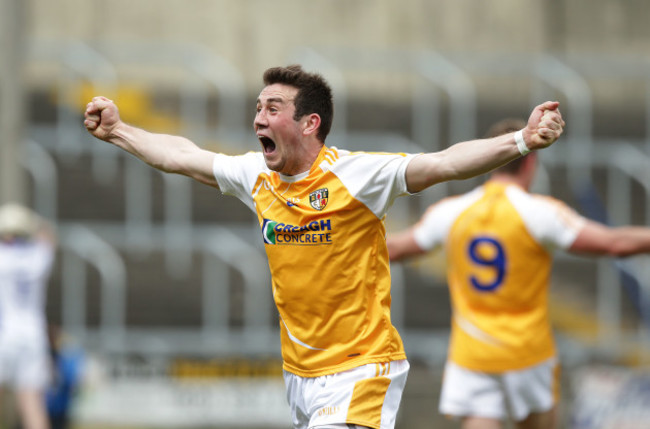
(310, 124)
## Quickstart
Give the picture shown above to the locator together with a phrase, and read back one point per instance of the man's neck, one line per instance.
(509, 179)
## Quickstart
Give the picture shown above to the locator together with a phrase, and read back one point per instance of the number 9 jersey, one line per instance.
(498, 241)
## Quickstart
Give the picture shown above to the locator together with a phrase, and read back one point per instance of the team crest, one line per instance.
(318, 199)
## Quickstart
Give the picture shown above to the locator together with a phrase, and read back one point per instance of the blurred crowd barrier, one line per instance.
(610, 397)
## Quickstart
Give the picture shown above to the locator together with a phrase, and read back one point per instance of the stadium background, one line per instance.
(162, 282)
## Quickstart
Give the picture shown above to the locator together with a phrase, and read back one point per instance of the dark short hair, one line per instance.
(505, 126)
(314, 94)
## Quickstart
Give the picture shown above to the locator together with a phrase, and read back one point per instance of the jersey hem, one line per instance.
(363, 423)
(492, 368)
(342, 367)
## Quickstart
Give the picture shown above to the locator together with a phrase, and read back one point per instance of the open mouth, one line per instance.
(267, 144)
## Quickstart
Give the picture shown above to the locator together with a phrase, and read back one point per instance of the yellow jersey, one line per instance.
(325, 239)
(498, 240)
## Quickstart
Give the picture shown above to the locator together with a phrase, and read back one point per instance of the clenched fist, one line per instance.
(545, 125)
(101, 117)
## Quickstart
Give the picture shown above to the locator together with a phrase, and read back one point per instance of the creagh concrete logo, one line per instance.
(310, 234)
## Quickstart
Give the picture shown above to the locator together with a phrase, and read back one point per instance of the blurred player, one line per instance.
(321, 211)
(498, 240)
(26, 256)
(67, 361)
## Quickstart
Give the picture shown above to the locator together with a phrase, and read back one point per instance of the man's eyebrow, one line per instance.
(275, 100)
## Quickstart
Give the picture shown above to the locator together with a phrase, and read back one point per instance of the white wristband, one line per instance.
(521, 144)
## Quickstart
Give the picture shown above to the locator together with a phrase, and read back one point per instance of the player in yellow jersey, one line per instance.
(321, 212)
(498, 239)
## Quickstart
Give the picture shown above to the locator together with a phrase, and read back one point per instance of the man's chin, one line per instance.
(272, 164)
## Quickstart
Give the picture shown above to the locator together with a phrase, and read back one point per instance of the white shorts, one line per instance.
(24, 364)
(368, 396)
(497, 396)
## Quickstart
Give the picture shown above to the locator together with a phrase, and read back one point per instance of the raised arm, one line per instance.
(44, 230)
(598, 239)
(472, 158)
(171, 154)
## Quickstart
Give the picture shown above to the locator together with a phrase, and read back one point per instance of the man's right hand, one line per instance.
(101, 117)
(545, 126)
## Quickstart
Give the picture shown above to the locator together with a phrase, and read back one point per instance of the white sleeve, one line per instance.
(550, 221)
(433, 228)
(236, 175)
(375, 179)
